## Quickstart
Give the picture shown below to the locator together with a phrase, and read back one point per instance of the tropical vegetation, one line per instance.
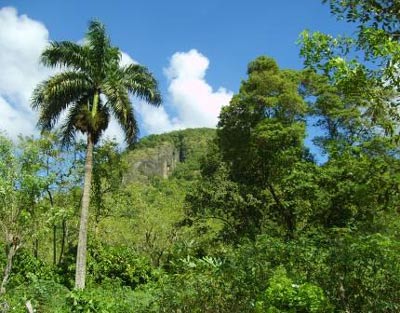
(290, 205)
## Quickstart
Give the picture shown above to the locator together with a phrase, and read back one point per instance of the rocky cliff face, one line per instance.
(159, 155)
(149, 162)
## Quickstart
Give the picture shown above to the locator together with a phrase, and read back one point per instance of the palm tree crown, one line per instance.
(91, 70)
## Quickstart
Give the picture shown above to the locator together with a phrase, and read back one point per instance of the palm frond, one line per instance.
(68, 128)
(68, 54)
(119, 103)
(54, 95)
(140, 82)
(96, 34)
(102, 54)
(128, 123)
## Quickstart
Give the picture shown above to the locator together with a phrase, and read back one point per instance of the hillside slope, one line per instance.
(166, 154)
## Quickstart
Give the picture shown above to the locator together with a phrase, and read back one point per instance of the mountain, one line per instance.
(174, 153)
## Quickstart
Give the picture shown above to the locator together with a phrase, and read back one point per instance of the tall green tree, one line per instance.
(92, 86)
(261, 137)
(21, 185)
(363, 68)
(356, 107)
(260, 171)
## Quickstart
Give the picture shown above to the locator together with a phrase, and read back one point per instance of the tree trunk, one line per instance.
(35, 243)
(54, 244)
(29, 306)
(36, 247)
(63, 239)
(54, 227)
(80, 273)
(288, 216)
(7, 270)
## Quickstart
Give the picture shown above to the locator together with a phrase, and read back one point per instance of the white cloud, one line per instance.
(189, 95)
(21, 42)
(14, 121)
(155, 120)
(187, 65)
(126, 59)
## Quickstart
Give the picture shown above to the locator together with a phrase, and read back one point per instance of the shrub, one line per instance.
(284, 296)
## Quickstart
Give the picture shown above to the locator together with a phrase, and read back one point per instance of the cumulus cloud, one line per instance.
(21, 42)
(190, 102)
(189, 95)
(126, 59)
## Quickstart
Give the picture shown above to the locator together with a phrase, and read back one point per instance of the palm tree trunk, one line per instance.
(80, 273)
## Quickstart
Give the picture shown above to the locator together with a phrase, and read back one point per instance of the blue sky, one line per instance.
(198, 50)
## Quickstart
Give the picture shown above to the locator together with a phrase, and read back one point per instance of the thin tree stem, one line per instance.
(10, 258)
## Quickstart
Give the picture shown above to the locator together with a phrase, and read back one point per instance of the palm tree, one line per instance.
(92, 86)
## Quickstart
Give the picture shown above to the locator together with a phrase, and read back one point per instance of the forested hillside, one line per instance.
(246, 217)
(137, 225)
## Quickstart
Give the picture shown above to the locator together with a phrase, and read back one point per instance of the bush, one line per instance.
(108, 263)
(25, 265)
(117, 263)
(283, 296)
(108, 298)
(45, 296)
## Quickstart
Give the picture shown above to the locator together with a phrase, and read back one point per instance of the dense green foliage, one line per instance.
(245, 218)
